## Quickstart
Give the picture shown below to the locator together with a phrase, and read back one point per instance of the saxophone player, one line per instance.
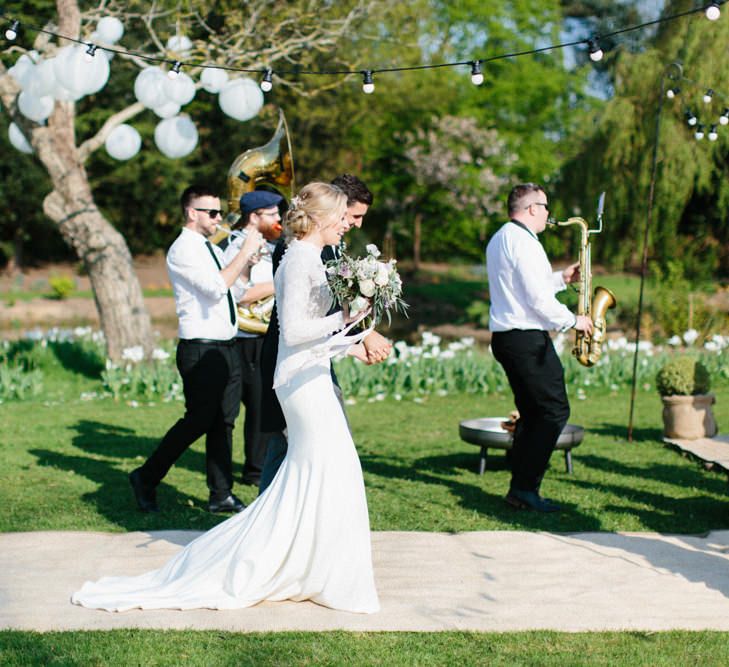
(523, 310)
(259, 211)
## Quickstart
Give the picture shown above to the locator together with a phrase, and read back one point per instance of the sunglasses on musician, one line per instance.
(212, 212)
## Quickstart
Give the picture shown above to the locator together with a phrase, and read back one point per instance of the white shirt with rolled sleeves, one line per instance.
(522, 285)
(200, 291)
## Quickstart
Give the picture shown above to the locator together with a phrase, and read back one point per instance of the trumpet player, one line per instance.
(206, 356)
(524, 308)
(259, 212)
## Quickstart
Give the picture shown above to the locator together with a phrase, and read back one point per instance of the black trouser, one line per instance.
(536, 377)
(211, 379)
(254, 443)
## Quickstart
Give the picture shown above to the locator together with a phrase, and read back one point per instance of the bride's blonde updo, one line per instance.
(314, 205)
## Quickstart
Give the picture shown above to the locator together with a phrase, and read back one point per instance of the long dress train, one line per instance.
(307, 536)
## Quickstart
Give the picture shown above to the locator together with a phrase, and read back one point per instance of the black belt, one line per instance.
(208, 341)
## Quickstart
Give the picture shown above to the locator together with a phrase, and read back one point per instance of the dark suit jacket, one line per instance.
(272, 418)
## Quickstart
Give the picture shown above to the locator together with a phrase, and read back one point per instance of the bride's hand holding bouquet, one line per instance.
(366, 284)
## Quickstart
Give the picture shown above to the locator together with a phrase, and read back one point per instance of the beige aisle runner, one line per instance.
(483, 581)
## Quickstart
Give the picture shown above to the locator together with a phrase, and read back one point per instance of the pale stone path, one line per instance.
(713, 452)
(483, 581)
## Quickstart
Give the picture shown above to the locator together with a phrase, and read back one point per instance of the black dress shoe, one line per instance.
(530, 500)
(145, 494)
(230, 504)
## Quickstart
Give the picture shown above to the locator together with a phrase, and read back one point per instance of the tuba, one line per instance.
(270, 166)
(588, 348)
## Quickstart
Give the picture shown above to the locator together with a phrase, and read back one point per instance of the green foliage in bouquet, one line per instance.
(683, 376)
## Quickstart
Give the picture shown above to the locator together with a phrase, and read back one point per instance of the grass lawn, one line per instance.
(65, 463)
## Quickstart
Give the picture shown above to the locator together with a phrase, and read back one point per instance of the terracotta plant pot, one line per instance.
(689, 417)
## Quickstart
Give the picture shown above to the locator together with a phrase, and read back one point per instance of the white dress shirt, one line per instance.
(522, 285)
(201, 295)
(262, 272)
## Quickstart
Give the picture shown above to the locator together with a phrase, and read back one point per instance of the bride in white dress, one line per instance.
(307, 537)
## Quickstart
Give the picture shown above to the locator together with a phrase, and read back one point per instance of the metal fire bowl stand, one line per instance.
(486, 432)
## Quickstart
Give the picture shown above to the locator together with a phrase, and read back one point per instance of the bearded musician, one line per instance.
(259, 211)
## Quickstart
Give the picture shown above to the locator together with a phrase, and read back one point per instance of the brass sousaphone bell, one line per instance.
(268, 167)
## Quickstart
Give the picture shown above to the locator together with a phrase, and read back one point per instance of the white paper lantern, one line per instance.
(18, 140)
(79, 75)
(35, 108)
(180, 90)
(179, 44)
(95, 38)
(176, 137)
(241, 99)
(110, 29)
(149, 87)
(41, 79)
(213, 79)
(167, 110)
(22, 70)
(63, 94)
(123, 142)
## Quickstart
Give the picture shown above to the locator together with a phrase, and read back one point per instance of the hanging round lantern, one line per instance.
(18, 140)
(213, 79)
(180, 90)
(79, 75)
(149, 87)
(167, 110)
(179, 44)
(41, 79)
(35, 108)
(176, 137)
(22, 70)
(123, 142)
(110, 29)
(241, 99)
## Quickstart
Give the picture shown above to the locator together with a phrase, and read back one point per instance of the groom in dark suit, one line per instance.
(273, 423)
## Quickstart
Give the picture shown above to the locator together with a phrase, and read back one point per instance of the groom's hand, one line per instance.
(378, 348)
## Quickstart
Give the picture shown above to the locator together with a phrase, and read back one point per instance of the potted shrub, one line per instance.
(683, 383)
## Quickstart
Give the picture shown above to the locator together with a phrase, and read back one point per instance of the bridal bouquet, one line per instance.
(360, 282)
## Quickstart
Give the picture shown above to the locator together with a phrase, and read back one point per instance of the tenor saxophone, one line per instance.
(588, 348)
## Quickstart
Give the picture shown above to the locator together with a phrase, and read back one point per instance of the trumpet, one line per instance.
(263, 251)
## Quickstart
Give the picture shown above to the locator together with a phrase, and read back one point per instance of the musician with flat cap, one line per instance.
(205, 292)
(259, 210)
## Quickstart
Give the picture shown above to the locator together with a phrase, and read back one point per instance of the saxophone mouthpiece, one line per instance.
(551, 221)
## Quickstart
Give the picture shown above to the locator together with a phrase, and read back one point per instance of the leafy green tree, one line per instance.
(691, 210)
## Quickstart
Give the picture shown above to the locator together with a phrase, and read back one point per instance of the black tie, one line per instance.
(231, 305)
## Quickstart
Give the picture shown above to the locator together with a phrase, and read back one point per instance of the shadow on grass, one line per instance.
(620, 432)
(471, 496)
(78, 359)
(103, 445)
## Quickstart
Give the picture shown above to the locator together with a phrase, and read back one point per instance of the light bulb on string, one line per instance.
(699, 132)
(476, 74)
(267, 83)
(90, 52)
(172, 74)
(724, 118)
(596, 52)
(12, 32)
(368, 85)
(713, 11)
(713, 136)
(690, 118)
(672, 92)
(708, 96)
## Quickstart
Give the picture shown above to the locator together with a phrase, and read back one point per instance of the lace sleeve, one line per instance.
(301, 295)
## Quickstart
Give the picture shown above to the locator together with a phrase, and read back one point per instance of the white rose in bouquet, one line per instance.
(382, 277)
(367, 287)
(372, 249)
(359, 303)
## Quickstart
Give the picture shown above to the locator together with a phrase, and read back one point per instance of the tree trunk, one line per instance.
(106, 256)
(416, 240)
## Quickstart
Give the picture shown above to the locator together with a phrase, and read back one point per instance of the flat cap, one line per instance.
(252, 201)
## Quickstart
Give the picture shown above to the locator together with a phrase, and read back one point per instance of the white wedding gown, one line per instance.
(307, 536)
